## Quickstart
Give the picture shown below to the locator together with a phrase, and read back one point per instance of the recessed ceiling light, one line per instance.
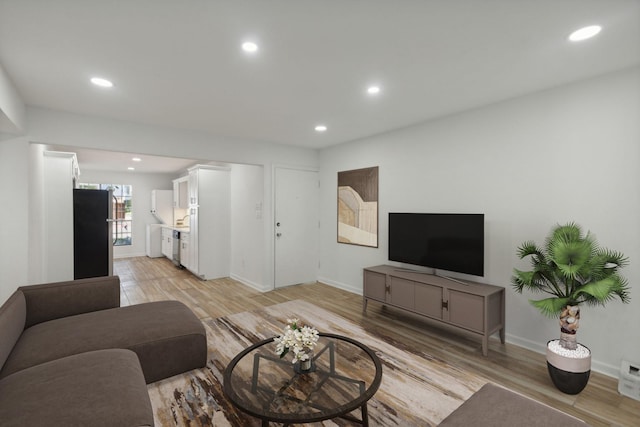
(131, 168)
(321, 128)
(136, 159)
(585, 33)
(249, 47)
(373, 90)
(99, 81)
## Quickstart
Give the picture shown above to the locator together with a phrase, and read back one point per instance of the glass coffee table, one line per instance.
(344, 375)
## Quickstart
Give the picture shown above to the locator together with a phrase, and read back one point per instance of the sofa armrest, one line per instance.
(61, 299)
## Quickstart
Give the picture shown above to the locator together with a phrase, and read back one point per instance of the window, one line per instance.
(122, 196)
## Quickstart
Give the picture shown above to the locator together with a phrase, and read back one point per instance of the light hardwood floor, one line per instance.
(145, 279)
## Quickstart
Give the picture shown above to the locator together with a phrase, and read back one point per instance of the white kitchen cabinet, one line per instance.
(194, 174)
(209, 221)
(154, 241)
(176, 194)
(167, 242)
(181, 193)
(185, 252)
(161, 201)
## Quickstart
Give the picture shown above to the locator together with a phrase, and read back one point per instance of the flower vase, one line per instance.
(305, 366)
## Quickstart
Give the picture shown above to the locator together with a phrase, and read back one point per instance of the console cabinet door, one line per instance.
(466, 310)
(429, 300)
(402, 293)
(375, 286)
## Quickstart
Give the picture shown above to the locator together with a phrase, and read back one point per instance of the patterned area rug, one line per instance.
(416, 390)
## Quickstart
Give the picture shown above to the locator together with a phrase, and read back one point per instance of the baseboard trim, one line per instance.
(596, 366)
(129, 255)
(248, 283)
(339, 285)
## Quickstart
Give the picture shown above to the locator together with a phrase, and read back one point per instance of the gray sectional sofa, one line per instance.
(71, 356)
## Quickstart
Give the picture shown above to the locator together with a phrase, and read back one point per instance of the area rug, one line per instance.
(416, 390)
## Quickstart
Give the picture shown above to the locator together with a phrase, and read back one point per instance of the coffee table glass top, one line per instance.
(345, 374)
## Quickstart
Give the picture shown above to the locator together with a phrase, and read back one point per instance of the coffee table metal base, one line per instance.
(322, 374)
(330, 374)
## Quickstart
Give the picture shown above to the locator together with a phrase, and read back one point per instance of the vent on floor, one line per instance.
(629, 383)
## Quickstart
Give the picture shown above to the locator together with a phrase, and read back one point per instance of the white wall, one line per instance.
(14, 216)
(568, 154)
(247, 225)
(12, 108)
(142, 184)
(36, 217)
(57, 209)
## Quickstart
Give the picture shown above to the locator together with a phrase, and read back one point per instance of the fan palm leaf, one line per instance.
(573, 268)
(550, 306)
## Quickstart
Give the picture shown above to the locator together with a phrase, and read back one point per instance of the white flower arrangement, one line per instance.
(300, 340)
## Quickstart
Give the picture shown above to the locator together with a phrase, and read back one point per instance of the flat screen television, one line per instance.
(444, 241)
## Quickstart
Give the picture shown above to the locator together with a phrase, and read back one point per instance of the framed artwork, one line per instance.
(358, 207)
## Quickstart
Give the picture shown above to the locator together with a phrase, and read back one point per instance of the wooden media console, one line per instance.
(475, 307)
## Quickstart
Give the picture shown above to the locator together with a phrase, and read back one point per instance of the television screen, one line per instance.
(452, 242)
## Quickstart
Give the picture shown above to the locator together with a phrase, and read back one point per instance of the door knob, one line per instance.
(278, 234)
(277, 224)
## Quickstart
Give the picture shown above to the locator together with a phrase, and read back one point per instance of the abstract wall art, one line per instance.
(358, 207)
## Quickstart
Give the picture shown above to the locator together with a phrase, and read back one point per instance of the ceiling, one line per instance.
(112, 161)
(179, 63)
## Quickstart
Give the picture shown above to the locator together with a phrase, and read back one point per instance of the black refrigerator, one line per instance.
(92, 237)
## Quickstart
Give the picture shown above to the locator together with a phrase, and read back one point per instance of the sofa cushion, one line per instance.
(50, 301)
(167, 337)
(494, 406)
(12, 319)
(98, 388)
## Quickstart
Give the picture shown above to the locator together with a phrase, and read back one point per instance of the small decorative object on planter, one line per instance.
(300, 341)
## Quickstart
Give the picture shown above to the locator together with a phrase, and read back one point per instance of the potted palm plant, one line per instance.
(572, 270)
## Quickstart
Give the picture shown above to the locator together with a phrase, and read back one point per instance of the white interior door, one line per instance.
(296, 227)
